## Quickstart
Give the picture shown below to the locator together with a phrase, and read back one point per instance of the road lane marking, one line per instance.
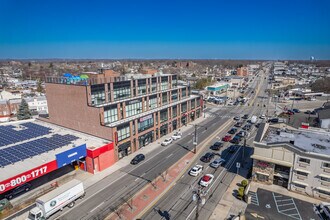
(169, 156)
(97, 207)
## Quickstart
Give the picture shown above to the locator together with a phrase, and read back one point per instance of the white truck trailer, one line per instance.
(56, 200)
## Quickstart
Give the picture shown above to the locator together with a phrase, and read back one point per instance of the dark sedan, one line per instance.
(137, 159)
(232, 131)
(207, 157)
(217, 146)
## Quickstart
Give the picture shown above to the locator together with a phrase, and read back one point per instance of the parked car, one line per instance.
(137, 159)
(226, 138)
(241, 134)
(313, 112)
(295, 110)
(206, 180)
(176, 136)
(236, 140)
(257, 125)
(247, 127)
(246, 116)
(273, 120)
(237, 118)
(232, 131)
(18, 190)
(167, 141)
(289, 112)
(262, 116)
(196, 170)
(217, 146)
(238, 124)
(207, 157)
(217, 162)
(307, 112)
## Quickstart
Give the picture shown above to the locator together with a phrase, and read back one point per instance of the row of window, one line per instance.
(135, 107)
(305, 174)
(122, 90)
(308, 161)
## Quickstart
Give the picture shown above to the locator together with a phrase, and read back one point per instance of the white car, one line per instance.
(167, 141)
(196, 170)
(262, 117)
(206, 180)
(217, 162)
(176, 136)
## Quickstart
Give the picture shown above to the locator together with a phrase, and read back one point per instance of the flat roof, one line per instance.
(38, 160)
(308, 141)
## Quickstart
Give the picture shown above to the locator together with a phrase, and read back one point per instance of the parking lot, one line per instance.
(270, 205)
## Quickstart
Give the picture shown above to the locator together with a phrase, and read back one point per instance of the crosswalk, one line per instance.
(254, 198)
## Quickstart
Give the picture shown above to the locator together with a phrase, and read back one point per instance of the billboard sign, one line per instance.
(27, 176)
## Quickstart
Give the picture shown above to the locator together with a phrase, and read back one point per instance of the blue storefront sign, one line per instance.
(69, 156)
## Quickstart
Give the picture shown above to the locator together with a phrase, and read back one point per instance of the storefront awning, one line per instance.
(265, 174)
(300, 183)
(300, 170)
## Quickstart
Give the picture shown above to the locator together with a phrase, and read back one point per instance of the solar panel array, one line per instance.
(29, 149)
(10, 136)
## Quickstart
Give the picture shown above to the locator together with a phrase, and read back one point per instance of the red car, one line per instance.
(226, 138)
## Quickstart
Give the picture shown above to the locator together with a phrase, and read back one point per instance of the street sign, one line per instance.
(238, 165)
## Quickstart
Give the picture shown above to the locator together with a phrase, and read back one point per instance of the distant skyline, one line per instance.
(145, 29)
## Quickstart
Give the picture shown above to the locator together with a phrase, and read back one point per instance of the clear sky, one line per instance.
(204, 29)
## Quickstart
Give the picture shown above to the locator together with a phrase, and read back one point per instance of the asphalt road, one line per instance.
(108, 194)
(177, 203)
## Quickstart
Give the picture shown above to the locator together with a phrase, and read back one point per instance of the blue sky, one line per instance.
(223, 29)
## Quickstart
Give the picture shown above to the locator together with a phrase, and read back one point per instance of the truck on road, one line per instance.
(56, 200)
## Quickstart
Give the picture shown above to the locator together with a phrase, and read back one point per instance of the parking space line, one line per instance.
(285, 204)
(288, 210)
(293, 215)
(283, 200)
(254, 198)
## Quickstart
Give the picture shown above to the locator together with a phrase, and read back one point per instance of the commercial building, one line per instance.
(130, 110)
(217, 89)
(297, 159)
(242, 71)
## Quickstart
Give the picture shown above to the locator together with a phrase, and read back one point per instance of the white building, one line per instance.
(10, 95)
(38, 104)
(297, 159)
(324, 118)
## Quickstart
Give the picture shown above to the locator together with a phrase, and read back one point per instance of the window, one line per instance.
(193, 104)
(301, 173)
(123, 132)
(326, 165)
(110, 114)
(164, 98)
(174, 95)
(121, 90)
(142, 87)
(326, 179)
(154, 85)
(198, 102)
(164, 84)
(324, 192)
(97, 94)
(109, 92)
(153, 102)
(184, 107)
(174, 81)
(174, 111)
(184, 93)
(299, 185)
(146, 123)
(163, 116)
(133, 107)
(304, 160)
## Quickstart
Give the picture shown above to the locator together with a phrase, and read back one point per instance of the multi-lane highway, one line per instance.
(108, 194)
(178, 202)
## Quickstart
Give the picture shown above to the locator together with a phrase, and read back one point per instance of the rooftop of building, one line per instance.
(41, 131)
(310, 140)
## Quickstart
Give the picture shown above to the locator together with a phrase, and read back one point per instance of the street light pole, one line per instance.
(195, 137)
(244, 145)
(198, 196)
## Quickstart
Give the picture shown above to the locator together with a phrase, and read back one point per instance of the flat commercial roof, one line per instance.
(309, 141)
(38, 160)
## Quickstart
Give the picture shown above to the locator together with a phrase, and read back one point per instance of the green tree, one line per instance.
(23, 111)
(240, 192)
(39, 86)
(244, 183)
(51, 65)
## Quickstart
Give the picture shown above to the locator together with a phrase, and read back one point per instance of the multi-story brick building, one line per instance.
(130, 110)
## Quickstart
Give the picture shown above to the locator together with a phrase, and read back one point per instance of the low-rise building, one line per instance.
(38, 104)
(297, 159)
(324, 118)
(217, 89)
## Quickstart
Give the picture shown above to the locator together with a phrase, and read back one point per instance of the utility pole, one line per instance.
(199, 197)
(195, 137)
(244, 145)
